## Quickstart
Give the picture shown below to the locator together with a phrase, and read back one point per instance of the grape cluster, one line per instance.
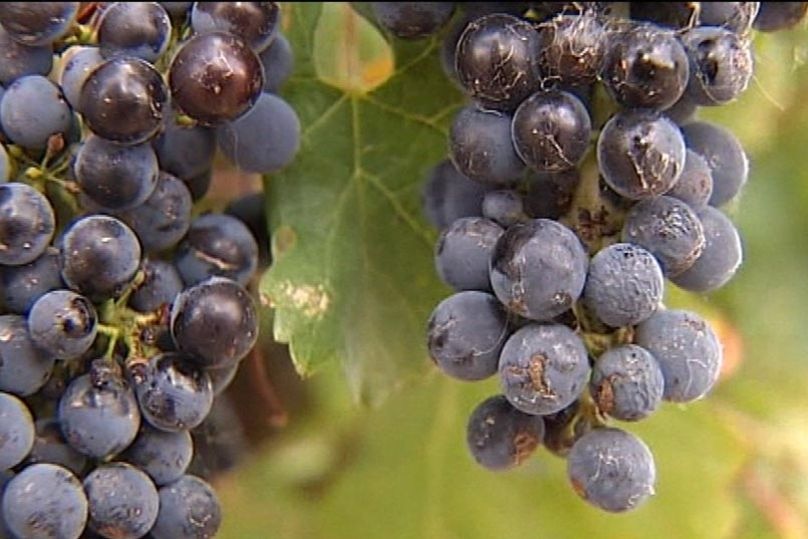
(557, 249)
(124, 311)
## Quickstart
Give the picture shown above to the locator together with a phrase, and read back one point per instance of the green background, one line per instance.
(376, 447)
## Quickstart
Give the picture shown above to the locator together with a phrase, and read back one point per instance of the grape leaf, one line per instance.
(353, 280)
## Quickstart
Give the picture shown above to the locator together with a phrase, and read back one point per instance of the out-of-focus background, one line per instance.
(300, 460)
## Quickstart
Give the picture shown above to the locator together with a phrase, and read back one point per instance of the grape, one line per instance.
(164, 218)
(221, 378)
(160, 286)
(561, 429)
(139, 29)
(99, 256)
(217, 245)
(16, 431)
(721, 65)
(255, 22)
(448, 195)
(669, 229)
(215, 321)
(572, 48)
(76, 64)
(624, 285)
(412, 20)
(163, 455)
(683, 111)
(19, 60)
(480, 146)
(499, 436)
(24, 369)
(21, 286)
(178, 10)
(627, 383)
(775, 16)
(116, 177)
(645, 67)
(26, 224)
(98, 412)
(265, 139)
(734, 16)
(538, 269)
(720, 258)
(695, 185)
(612, 469)
(640, 154)
(37, 23)
(45, 501)
(63, 324)
(51, 447)
(172, 392)
(551, 130)
(687, 350)
(497, 60)
(463, 252)
(504, 207)
(33, 109)
(215, 77)
(543, 368)
(189, 509)
(549, 195)
(465, 334)
(279, 61)
(724, 155)
(122, 100)
(122, 500)
(184, 151)
(5, 477)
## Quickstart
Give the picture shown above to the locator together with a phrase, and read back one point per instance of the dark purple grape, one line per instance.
(463, 253)
(550, 131)
(98, 412)
(497, 60)
(279, 61)
(163, 455)
(37, 23)
(448, 195)
(52, 448)
(572, 48)
(19, 60)
(695, 186)
(113, 176)
(465, 333)
(640, 153)
(33, 110)
(184, 151)
(721, 65)
(27, 224)
(481, 148)
(254, 22)
(412, 20)
(776, 16)
(122, 100)
(725, 156)
(63, 324)
(161, 284)
(668, 14)
(24, 368)
(76, 64)
(734, 16)
(99, 255)
(215, 322)
(645, 67)
(627, 383)
(499, 436)
(505, 207)
(189, 509)
(215, 78)
(139, 29)
(122, 501)
(16, 431)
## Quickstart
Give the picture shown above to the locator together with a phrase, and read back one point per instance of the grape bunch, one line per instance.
(579, 180)
(124, 309)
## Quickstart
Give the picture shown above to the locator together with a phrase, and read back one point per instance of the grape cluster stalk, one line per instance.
(578, 184)
(124, 308)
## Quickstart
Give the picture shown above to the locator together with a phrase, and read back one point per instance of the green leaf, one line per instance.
(353, 280)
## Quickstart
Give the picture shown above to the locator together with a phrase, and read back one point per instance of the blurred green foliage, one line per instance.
(734, 465)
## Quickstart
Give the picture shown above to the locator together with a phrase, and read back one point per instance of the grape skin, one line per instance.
(695, 185)
(163, 455)
(24, 368)
(465, 334)
(720, 259)
(33, 109)
(624, 285)
(463, 253)
(776, 16)
(627, 383)
(721, 65)
(687, 350)
(37, 23)
(448, 195)
(189, 509)
(19, 60)
(63, 324)
(44, 501)
(499, 436)
(122, 501)
(51, 447)
(538, 269)
(724, 155)
(255, 22)
(640, 154)
(76, 64)
(27, 224)
(139, 29)
(16, 431)
(612, 469)
(543, 368)
(412, 20)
